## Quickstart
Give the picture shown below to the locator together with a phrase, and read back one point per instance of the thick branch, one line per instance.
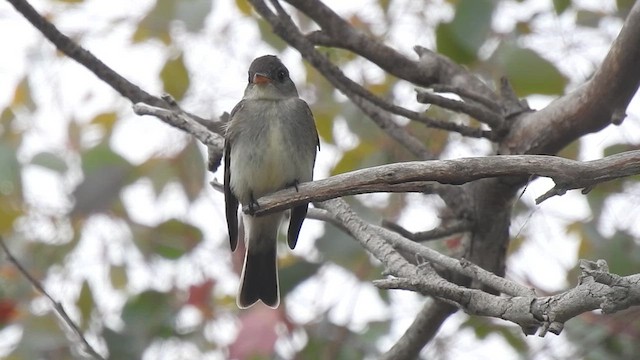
(423, 329)
(408, 176)
(336, 32)
(598, 289)
(530, 312)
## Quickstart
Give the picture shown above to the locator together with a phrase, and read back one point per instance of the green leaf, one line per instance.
(466, 33)
(105, 120)
(528, 72)
(22, 95)
(149, 314)
(193, 13)
(175, 77)
(85, 303)
(619, 148)
(173, 238)
(244, 7)
(588, 18)
(10, 179)
(561, 5)
(340, 248)
(42, 337)
(118, 276)
(146, 317)
(269, 37)
(191, 170)
(624, 6)
(105, 174)
(50, 161)
(155, 25)
(292, 275)
(571, 151)
(160, 174)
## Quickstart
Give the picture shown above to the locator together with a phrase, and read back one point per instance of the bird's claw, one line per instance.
(294, 183)
(253, 205)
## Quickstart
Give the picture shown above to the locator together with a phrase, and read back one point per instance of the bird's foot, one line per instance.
(253, 205)
(294, 183)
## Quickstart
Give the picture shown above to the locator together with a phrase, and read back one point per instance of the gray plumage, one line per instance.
(270, 144)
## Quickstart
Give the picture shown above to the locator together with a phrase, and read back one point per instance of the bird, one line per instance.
(271, 142)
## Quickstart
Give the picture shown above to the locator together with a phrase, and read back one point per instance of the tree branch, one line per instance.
(480, 113)
(125, 87)
(462, 267)
(59, 309)
(438, 233)
(415, 176)
(601, 101)
(284, 27)
(598, 289)
(423, 329)
(530, 312)
(336, 32)
(176, 117)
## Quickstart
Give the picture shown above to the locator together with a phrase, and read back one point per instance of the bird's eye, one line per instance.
(282, 75)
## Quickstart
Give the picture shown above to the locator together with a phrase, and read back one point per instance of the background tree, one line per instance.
(113, 211)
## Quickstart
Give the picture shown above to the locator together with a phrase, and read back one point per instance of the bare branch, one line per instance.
(484, 115)
(447, 72)
(415, 176)
(93, 64)
(530, 312)
(284, 27)
(429, 235)
(593, 106)
(422, 330)
(176, 117)
(59, 309)
(427, 71)
(462, 266)
(468, 95)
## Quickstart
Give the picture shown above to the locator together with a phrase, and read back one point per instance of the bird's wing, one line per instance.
(230, 200)
(299, 213)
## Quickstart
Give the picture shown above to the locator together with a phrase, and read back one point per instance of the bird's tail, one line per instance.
(259, 279)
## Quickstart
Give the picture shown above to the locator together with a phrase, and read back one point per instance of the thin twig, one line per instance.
(284, 27)
(93, 64)
(480, 113)
(429, 235)
(418, 176)
(56, 305)
(468, 95)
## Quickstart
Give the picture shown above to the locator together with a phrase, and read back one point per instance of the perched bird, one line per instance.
(270, 144)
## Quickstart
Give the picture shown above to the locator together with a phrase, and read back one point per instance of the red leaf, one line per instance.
(257, 336)
(8, 310)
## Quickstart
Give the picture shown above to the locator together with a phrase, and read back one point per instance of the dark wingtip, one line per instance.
(298, 214)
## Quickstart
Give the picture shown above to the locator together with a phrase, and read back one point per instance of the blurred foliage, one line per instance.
(94, 177)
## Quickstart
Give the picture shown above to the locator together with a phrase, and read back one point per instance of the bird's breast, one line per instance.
(263, 160)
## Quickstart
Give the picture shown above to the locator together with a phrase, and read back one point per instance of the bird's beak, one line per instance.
(261, 79)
